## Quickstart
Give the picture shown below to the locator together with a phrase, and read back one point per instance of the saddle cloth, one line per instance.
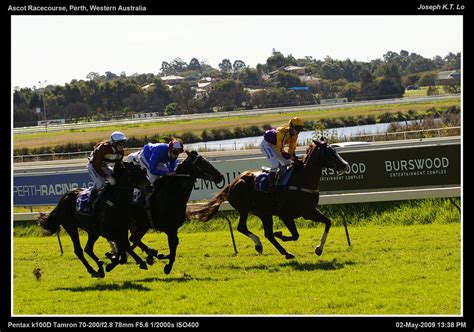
(262, 181)
(82, 200)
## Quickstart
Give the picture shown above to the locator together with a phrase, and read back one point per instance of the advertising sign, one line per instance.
(376, 169)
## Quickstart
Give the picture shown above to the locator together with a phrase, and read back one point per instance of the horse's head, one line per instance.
(130, 175)
(198, 167)
(326, 157)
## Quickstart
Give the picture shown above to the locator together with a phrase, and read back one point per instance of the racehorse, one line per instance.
(109, 220)
(168, 205)
(299, 198)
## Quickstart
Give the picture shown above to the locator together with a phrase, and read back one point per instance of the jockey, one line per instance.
(105, 153)
(159, 159)
(273, 144)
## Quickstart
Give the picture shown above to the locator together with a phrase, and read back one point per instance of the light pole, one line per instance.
(42, 95)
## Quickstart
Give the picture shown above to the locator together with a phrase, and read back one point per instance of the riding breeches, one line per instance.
(99, 181)
(272, 154)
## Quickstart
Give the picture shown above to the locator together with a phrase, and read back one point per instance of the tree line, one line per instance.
(235, 86)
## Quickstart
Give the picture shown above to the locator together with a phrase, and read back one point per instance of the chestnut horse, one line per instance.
(299, 198)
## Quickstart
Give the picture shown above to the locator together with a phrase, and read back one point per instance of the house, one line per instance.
(172, 80)
(300, 71)
(448, 78)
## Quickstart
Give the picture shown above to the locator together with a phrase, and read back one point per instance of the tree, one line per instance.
(183, 94)
(428, 78)
(238, 66)
(225, 66)
(249, 77)
(110, 76)
(167, 69)
(331, 71)
(227, 94)
(288, 80)
(179, 65)
(194, 64)
(93, 76)
(277, 60)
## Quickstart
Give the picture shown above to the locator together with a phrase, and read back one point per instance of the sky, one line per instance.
(57, 49)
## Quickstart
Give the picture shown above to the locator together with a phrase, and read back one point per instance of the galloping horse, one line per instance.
(298, 199)
(168, 205)
(110, 219)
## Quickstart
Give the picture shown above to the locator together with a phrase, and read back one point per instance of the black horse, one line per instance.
(168, 205)
(298, 199)
(110, 219)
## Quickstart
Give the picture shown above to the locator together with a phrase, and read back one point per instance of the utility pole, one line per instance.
(44, 104)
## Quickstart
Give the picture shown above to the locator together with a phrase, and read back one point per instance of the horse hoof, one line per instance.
(162, 256)
(143, 266)
(167, 269)
(153, 252)
(278, 234)
(96, 275)
(318, 251)
(259, 249)
(109, 267)
(289, 256)
(150, 260)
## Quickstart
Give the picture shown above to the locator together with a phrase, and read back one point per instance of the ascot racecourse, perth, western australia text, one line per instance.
(71, 8)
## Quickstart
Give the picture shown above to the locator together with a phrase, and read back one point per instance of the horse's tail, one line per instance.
(205, 213)
(50, 222)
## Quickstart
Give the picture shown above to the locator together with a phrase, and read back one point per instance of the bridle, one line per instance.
(196, 162)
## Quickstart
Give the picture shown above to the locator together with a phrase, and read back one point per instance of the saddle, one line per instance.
(82, 201)
(283, 175)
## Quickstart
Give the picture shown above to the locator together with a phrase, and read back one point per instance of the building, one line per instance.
(452, 77)
(172, 80)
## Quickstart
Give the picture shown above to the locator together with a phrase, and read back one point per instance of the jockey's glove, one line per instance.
(111, 180)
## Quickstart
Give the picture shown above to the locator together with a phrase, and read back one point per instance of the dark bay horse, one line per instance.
(298, 199)
(168, 205)
(110, 219)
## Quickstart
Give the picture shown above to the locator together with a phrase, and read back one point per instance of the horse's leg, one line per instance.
(317, 216)
(173, 242)
(113, 255)
(141, 263)
(74, 234)
(136, 236)
(242, 228)
(89, 249)
(290, 224)
(268, 227)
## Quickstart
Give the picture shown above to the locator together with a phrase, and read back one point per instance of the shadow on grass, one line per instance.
(321, 265)
(185, 278)
(107, 287)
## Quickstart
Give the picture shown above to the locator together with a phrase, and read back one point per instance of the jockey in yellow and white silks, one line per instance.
(274, 141)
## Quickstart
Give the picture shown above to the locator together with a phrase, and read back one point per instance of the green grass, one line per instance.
(416, 93)
(404, 260)
(388, 270)
(87, 135)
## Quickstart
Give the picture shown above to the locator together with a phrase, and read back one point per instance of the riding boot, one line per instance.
(148, 210)
(271, 181)
(92, 199)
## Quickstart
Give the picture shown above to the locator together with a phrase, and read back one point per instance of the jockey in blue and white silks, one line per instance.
(158, 159)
